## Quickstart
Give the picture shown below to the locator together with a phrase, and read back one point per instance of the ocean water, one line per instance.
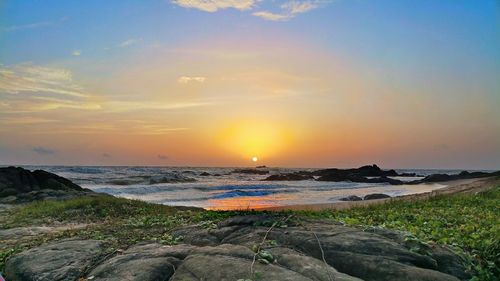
(222, 189)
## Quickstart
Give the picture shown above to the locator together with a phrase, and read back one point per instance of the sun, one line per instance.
(255, 159)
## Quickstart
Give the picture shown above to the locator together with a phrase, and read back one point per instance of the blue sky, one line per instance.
(429, 65)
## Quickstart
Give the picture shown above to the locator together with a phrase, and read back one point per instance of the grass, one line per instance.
(468, 223)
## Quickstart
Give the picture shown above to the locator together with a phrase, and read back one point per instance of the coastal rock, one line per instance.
(205, 174)
(460, 176)
(375, 196)
(21, 185)
(296, 176)
(63, 260)
(364, 171)
(366, 174)
(250, 171)
(352, 251)
(16, 180)
(351, 198)
(305, 250)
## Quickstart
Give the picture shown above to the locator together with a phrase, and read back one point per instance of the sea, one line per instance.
(221, 189)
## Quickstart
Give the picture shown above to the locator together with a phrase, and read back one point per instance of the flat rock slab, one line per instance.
(222, 262)
(307, 251)
(63, 260)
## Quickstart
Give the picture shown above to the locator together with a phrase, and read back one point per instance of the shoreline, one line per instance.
(452, 187)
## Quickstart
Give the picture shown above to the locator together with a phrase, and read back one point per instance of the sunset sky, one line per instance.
(404, 84)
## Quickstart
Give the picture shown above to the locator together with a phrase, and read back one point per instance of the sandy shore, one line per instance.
(459, 186)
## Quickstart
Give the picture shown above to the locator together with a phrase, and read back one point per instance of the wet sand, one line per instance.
(459, 186)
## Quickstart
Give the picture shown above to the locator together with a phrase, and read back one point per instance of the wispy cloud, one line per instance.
(124, 106)
(76, 53)
(32, 25)
(271, 16)
(187, 79)
(27, 77)
(215, 5)
(283, 12)
(106, 155)
(289, 10)
(129, 42)
(43, 150)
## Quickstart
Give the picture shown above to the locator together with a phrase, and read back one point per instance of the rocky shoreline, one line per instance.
(373, 174)
(258, 246)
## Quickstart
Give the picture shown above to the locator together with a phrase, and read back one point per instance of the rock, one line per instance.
(250, 171)
(25, 185)
(351, 198)
(449, 262)
(367, 174)
(66, 260)
(205, 174)
(309, 250)
(261, 167)
(460, 176)
(142, 262)
(234, 262)
(380, 255)
(296, 176)
(375, 196)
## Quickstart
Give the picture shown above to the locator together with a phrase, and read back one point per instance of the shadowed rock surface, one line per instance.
(66, 260)
(375, 196)
(21, 185)
(292, 251)
(351, 198)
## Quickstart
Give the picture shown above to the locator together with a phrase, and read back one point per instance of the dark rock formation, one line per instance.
(250, 171)
(309, 250)
(375, 196)
(460, 176)
(23, 185)
(295, 176)
(364, 171)
(368, 174)
(351, 198)
(205, 174)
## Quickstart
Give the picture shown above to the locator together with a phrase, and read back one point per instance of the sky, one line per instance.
(295, 83)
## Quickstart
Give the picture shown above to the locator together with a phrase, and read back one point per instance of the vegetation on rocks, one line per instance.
(468, 223)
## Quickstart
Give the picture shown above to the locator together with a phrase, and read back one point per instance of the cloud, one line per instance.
(286, 11)
(76, 53)
(27, 77)
(162, 157)
(289, 10)
(215, 5)
(129, 42)
(32, 25)
(105, 155)
(298, 7)
(271, 16)
(187, 79)
(43, 151)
